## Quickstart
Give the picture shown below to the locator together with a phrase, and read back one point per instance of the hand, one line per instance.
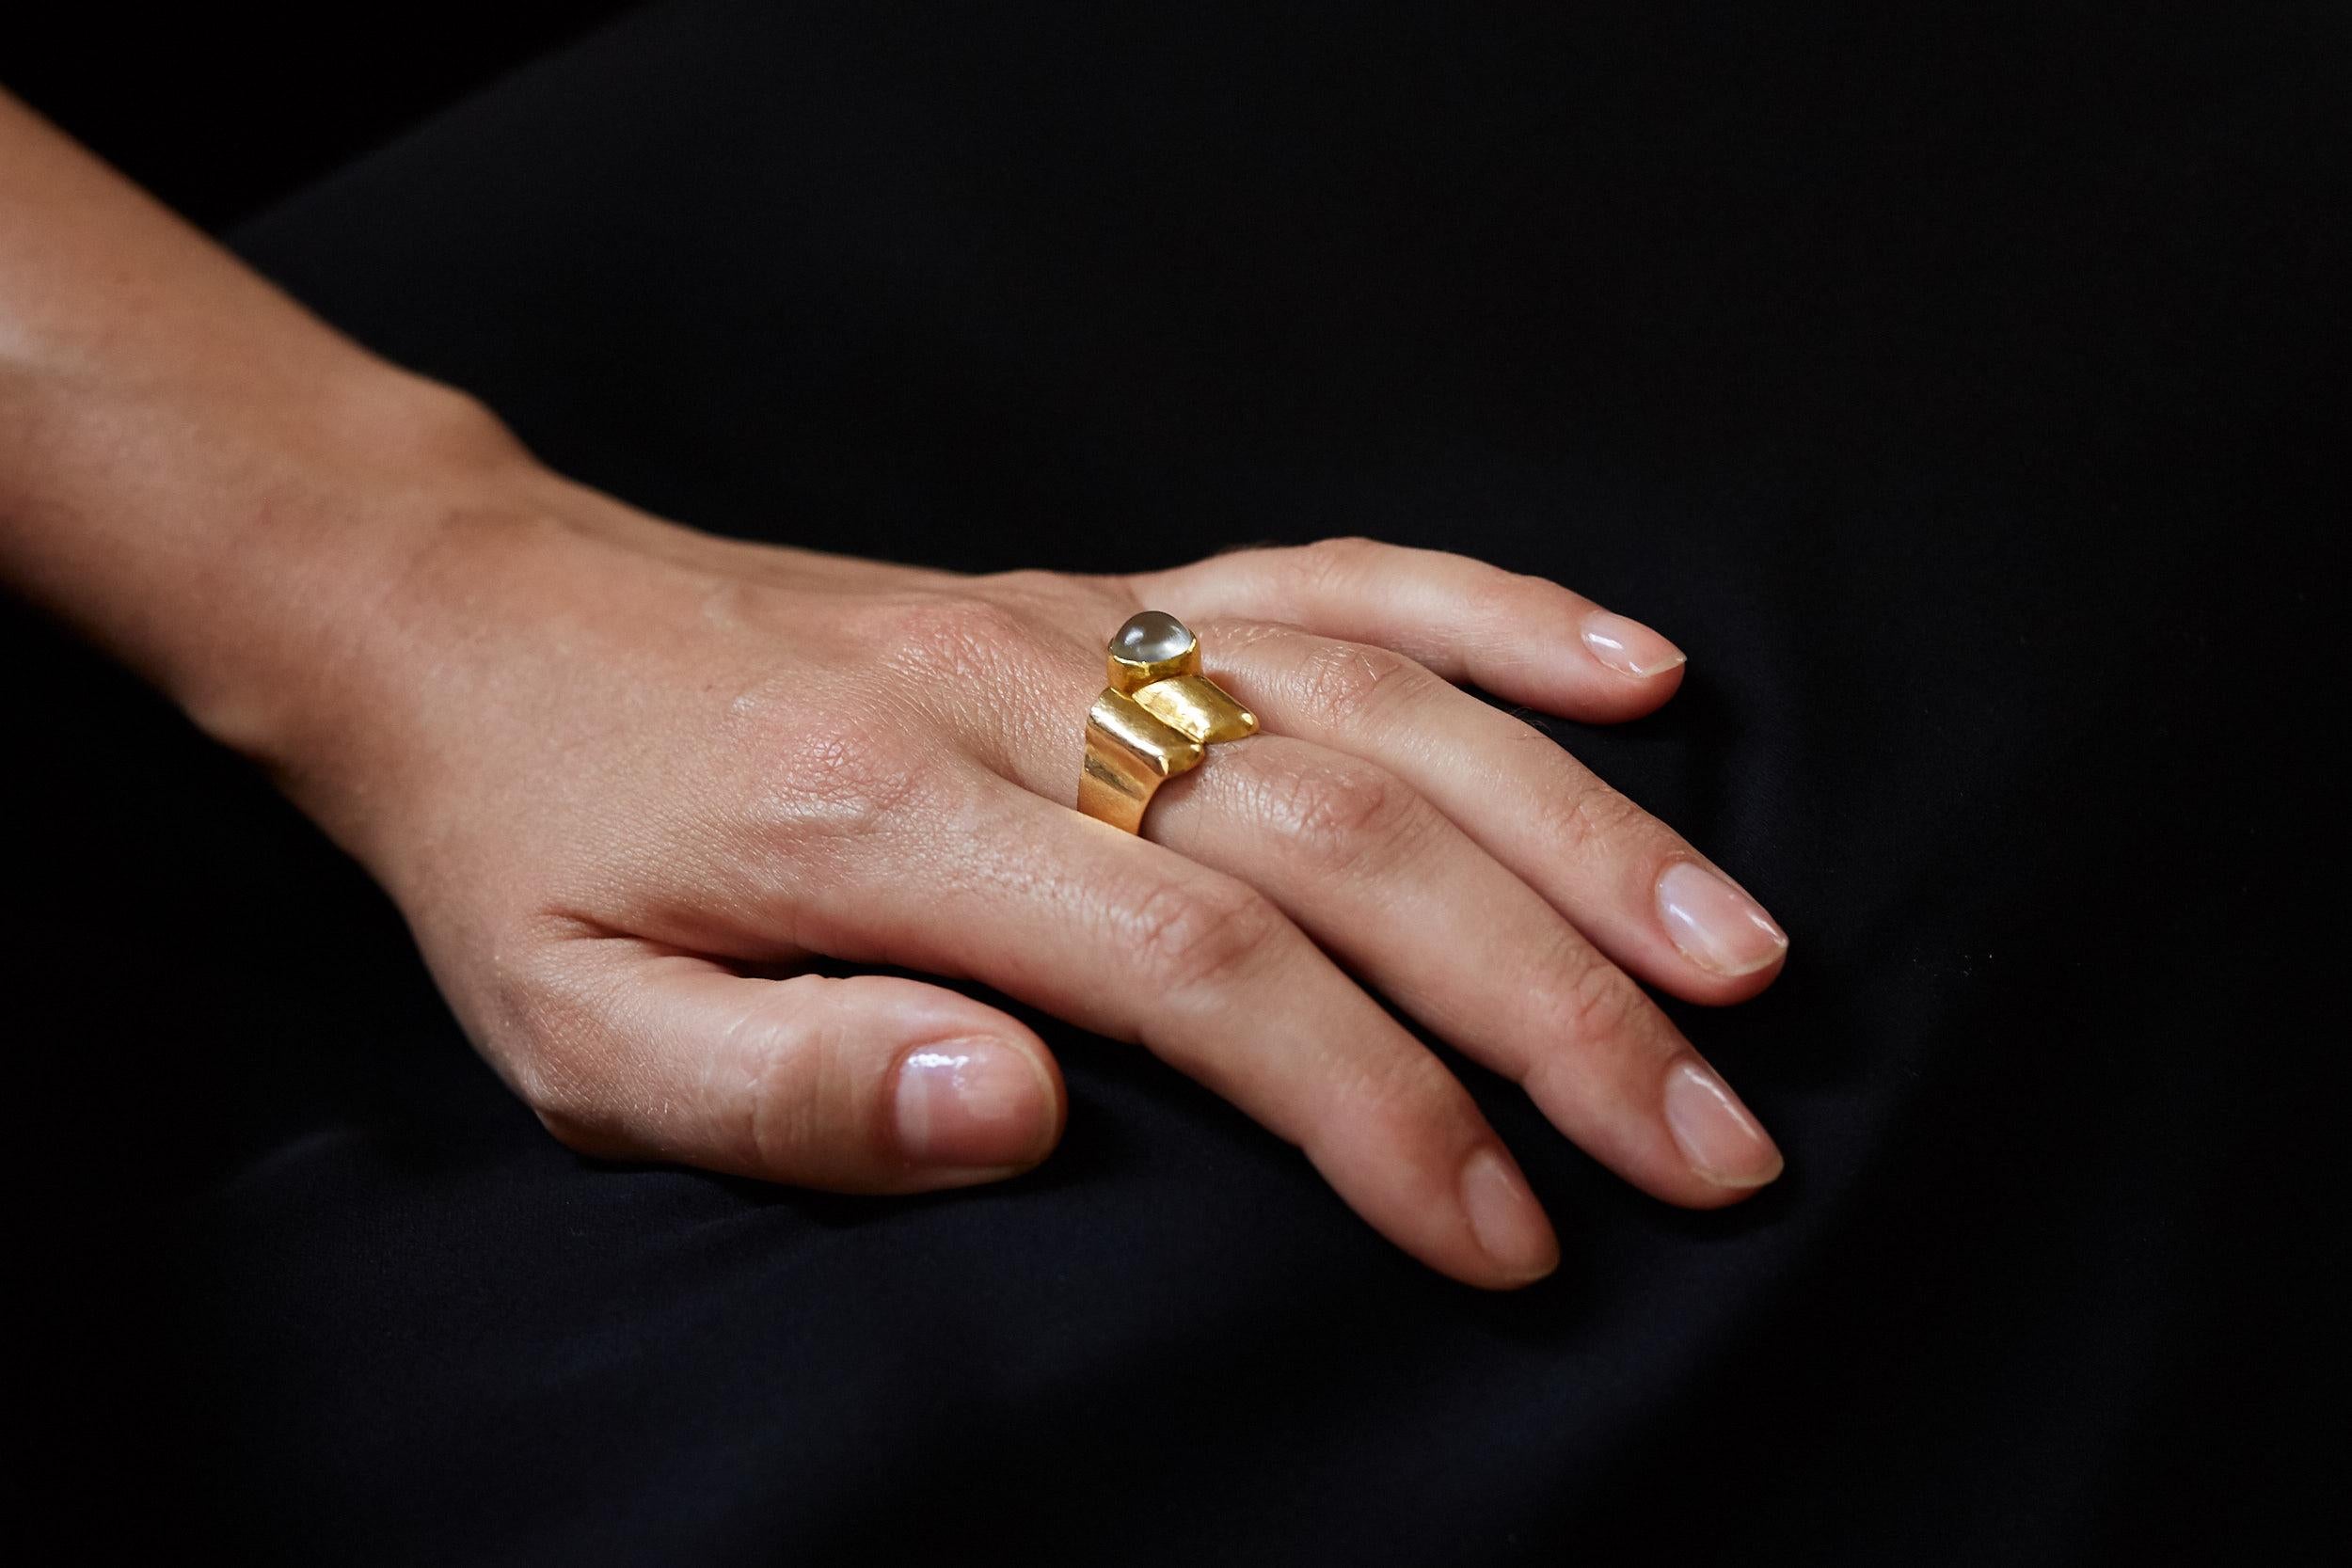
(625, 779)
(621, 776)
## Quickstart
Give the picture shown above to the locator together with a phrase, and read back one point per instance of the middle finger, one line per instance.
(1631, 884)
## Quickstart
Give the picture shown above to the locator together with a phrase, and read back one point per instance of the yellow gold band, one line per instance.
(1156, 719)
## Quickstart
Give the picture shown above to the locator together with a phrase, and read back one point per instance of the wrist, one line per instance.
(239, 540)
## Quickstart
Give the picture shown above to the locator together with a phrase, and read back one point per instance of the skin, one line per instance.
(627, 781)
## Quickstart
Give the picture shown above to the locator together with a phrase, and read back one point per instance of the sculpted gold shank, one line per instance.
(1156, 719)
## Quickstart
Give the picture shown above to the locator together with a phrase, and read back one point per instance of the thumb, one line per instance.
(862, 1084)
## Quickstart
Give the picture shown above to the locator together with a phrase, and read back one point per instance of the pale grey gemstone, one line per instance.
(1151, 637)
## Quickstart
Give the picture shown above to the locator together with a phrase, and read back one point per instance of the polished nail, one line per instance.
(1629, 647)
(1505, 1217)
(973, 1103)
(1717, 1135)
(1716, 925)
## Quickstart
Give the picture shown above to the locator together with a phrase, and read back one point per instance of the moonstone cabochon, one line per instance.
(1151, 637)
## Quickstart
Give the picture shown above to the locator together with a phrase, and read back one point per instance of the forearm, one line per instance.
(194, 470)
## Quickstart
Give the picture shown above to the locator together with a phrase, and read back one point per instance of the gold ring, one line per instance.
(1156, 719)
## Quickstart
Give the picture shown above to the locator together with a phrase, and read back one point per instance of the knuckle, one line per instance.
(1596, 1008)
(1493, 597)
(1342, 682)
(1337, 558)
(1190, 935)
(830, 779)
(789, 1086)
(1413, 1092)
(959, 639)
(1338, 814)
(1586, 819)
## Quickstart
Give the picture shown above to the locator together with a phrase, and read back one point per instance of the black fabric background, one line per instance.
(1962, 387)
(223, 108)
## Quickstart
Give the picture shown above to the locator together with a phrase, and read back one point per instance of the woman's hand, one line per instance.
(625, 779)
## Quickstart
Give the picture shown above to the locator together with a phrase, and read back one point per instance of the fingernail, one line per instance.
(1629, 647)
(1716, 925)
(1505, 1217)
(973, 1102)
(1717, 1135)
